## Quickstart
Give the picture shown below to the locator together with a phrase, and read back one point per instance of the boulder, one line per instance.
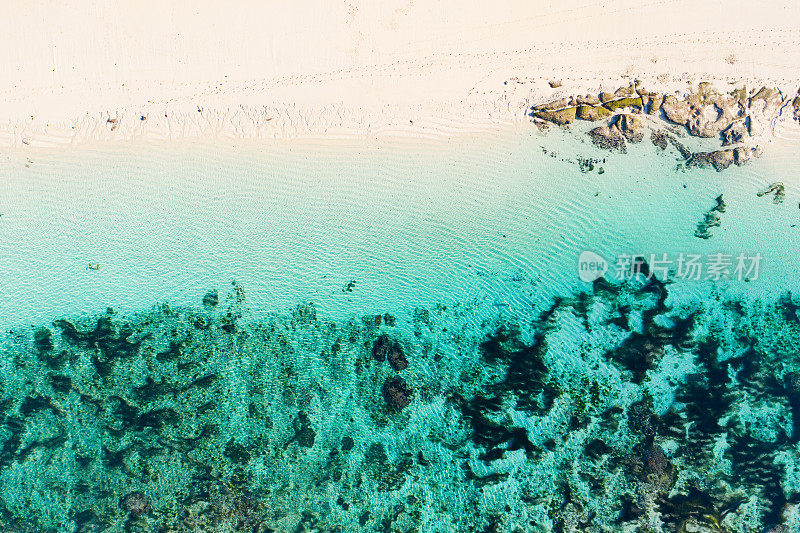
(561, 103)
(561, 117)
(588, 112)
(622, 92)
(606, 97)
(634, 102)
(761, 108)
(655, 104)
(608, 138)
(705, 113)
(632, 127)
(765, 102)
(677, 111)
(588, 99)
(735, 133)
(743, 154)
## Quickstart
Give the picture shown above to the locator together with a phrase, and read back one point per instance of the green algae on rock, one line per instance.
(561, 117)
(592, 113)
(622, 103)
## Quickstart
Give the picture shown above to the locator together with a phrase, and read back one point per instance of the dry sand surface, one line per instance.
(178, 69)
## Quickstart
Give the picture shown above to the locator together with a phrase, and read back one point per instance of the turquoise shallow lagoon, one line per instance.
(395, 336)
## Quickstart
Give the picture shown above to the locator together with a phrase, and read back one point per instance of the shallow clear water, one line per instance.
(508, 393)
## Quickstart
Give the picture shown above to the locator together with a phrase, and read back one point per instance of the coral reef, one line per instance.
(604, 411)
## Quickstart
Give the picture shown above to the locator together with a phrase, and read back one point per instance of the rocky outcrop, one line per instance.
(592, 113)
(735, 133)
(719, 159)
(632, 102)
(722, 159)
(631, 127)
(608, 138)
(733, 117)
(562, 117)
(761, 108)
(705, 113)
(654, 103)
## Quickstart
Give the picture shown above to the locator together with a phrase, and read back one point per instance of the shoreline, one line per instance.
(350, 70)
(437, 121)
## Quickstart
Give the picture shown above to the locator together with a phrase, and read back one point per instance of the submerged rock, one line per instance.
(710, 220)
(719, 159)
(397, 393)
(608, 138)
(777, 189)
(397, 359)
(659, 139)
(43, 340)
(385, 348)
(381, 347)
(657, 470)
(304, 434)
(211, 299)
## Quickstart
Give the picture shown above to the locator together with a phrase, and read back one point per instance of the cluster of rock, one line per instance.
(734, 118)
(395, 390)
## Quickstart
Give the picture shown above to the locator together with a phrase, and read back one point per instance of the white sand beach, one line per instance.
(116, 71)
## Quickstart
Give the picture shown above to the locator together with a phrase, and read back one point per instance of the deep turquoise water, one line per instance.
(508, 395)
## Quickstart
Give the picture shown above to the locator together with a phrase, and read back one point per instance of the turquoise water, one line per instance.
(510, 396)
